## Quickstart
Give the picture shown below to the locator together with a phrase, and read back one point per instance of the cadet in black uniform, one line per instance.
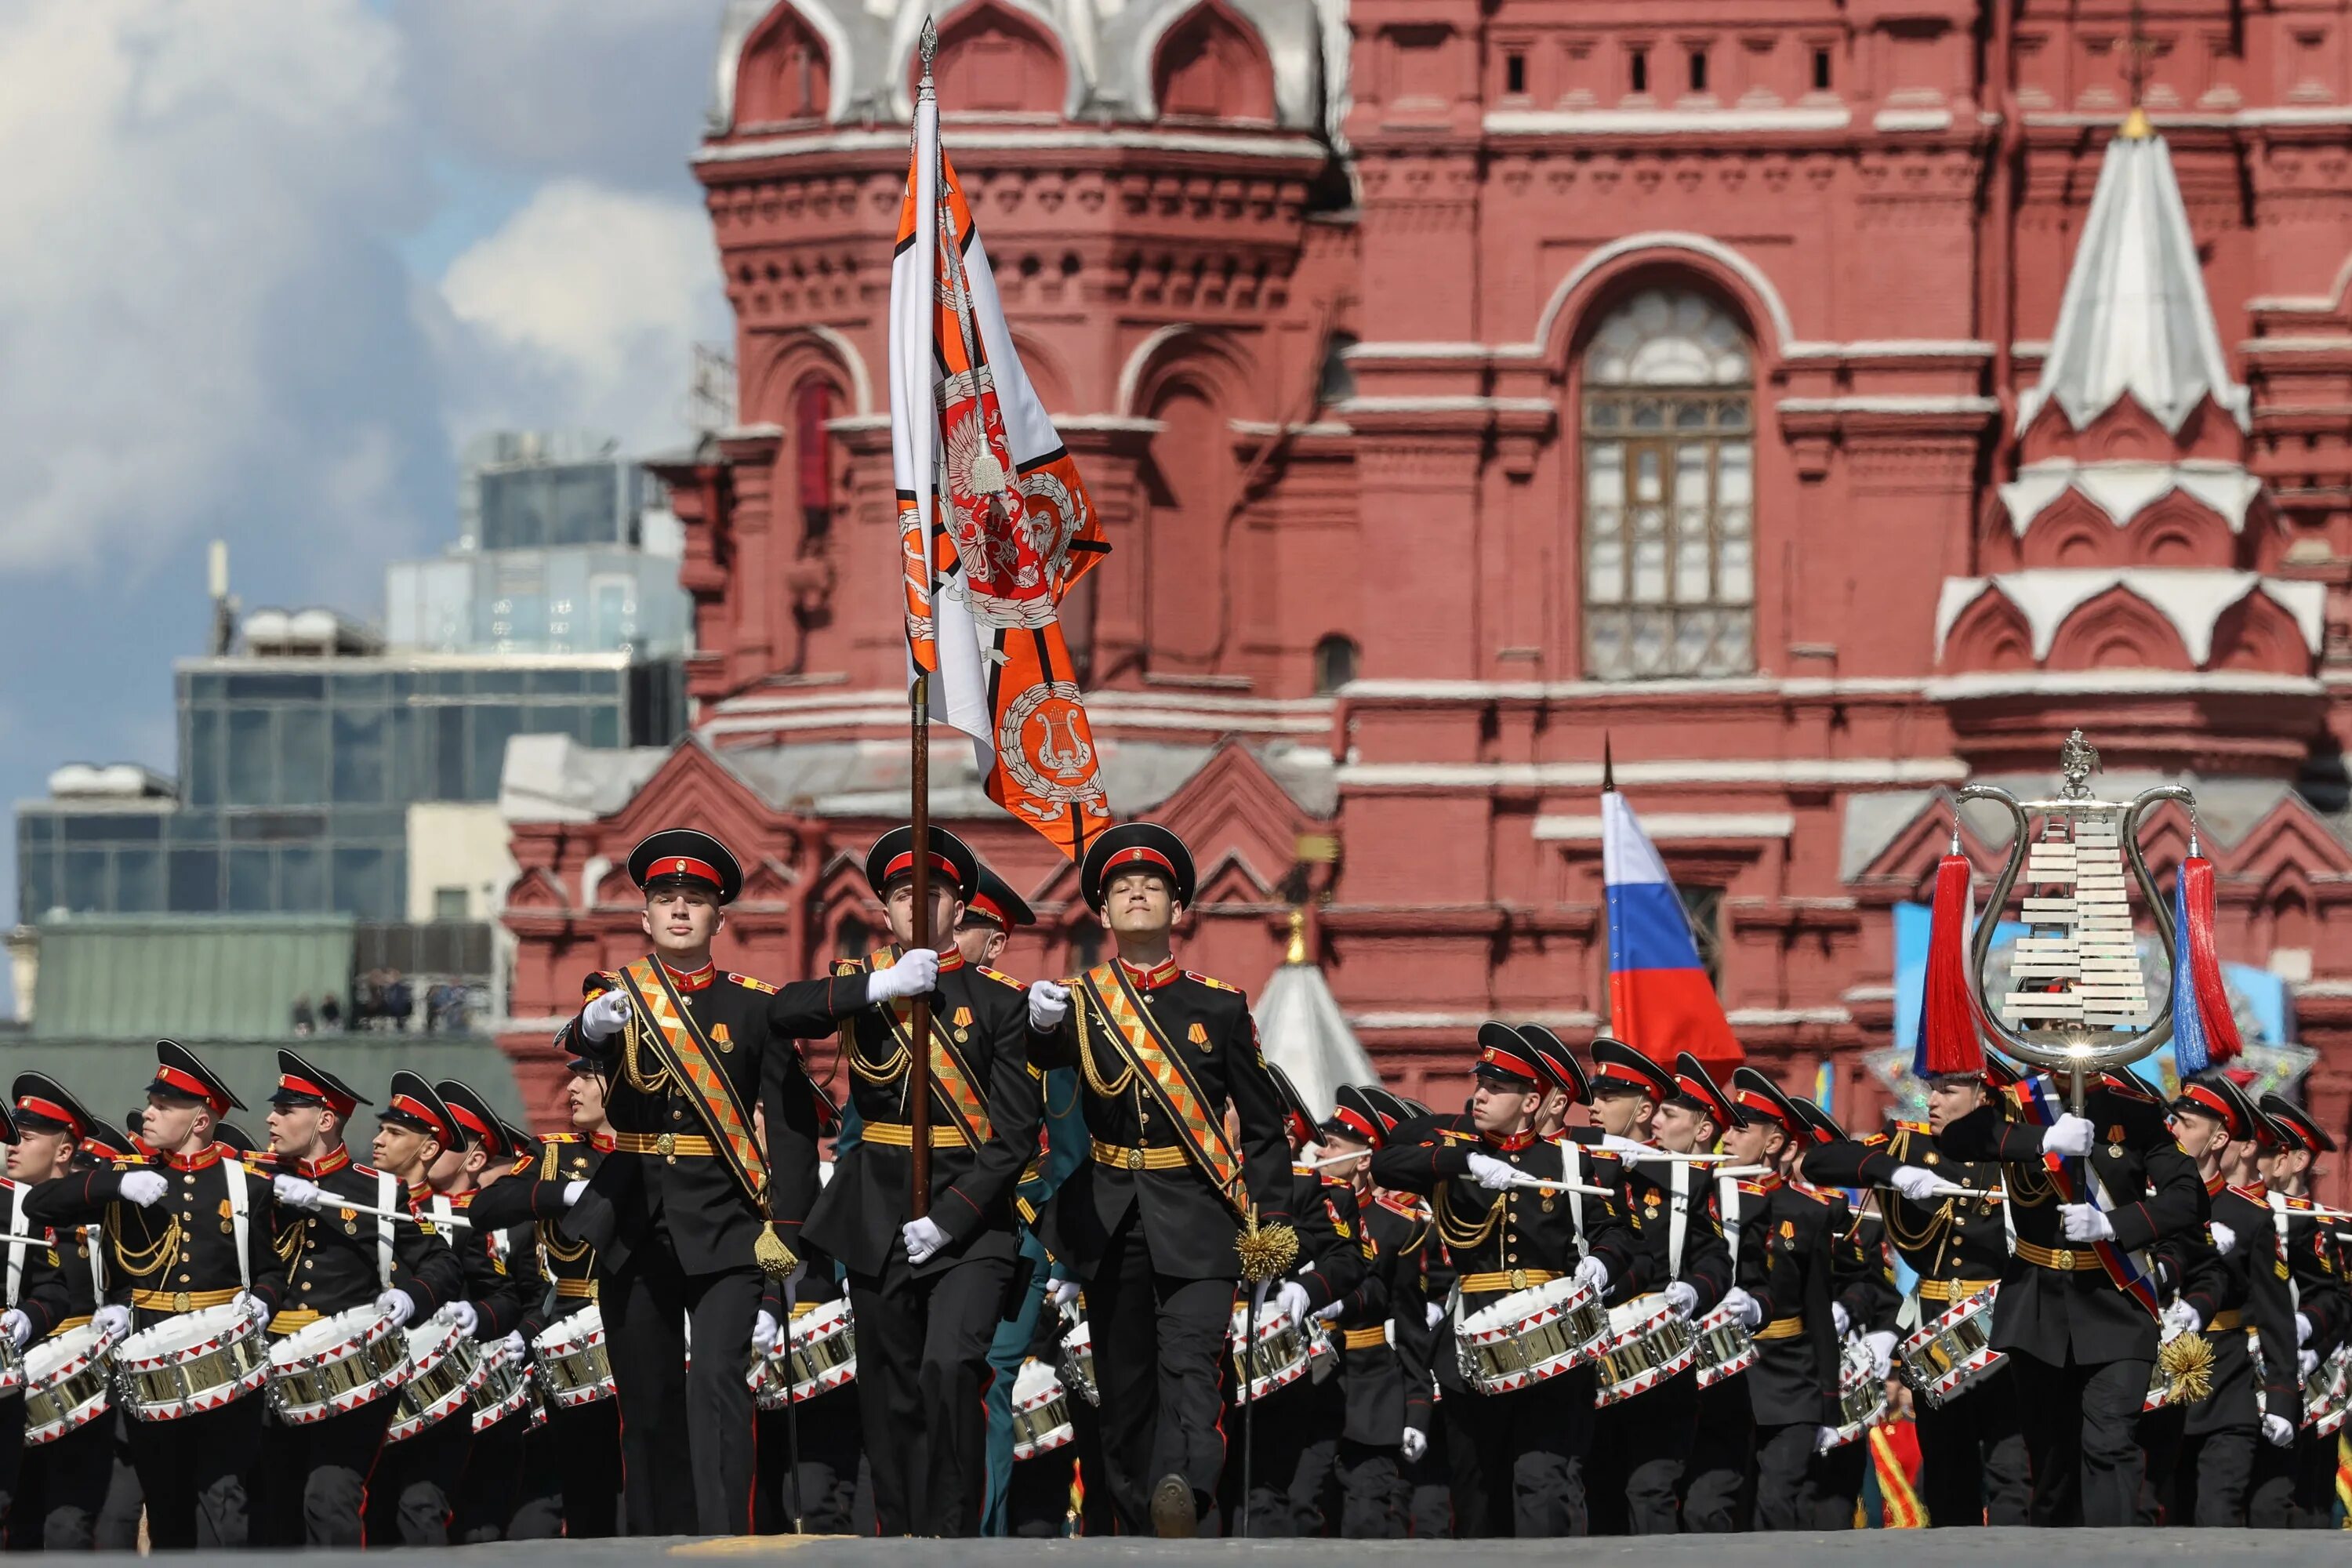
(1641, 1445)
(311, 1488)
(672, 1211)
(51, 1289)
(2081, 1345)
(1154, 1222)
(927, 1292)
(1516, 1457)
(171, 1231)
(1863, 1306)
(2323, 1314)
(1296, 1437)
(1971, 1450)
(2249, 1295)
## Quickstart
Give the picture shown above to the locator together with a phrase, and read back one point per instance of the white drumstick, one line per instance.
(8, 1238)
(1566, 1187)
(1954, 1190)
(329, 1201)
(1659, 1156)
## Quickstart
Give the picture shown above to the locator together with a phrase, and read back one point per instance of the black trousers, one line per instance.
(1972, 1457)
(922, 1381)
(126, 1499)
(2212, 1476)
(688, 1439)
(539, 1492)
(62, 1491)
(1424, 1489)
(2080, 1424)
(1837, 1484)
(1160, 1354)
(1373, 1499)
(1517, 1458)
(311, 1488)
(193, 1474)
(1719, 1488)
(12, 1457)
(1043, 1489)
(413, 1493)
(492, 1482)
(830, 1439)
(585, 1443)
(1641, 1449)
(1295, 1448)
(2270, 1499)
(1788, 1488)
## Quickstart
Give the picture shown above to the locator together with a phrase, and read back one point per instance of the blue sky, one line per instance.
(268, 264)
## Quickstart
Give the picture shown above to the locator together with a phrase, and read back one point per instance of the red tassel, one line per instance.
(2204, 961)
(1948, 1021)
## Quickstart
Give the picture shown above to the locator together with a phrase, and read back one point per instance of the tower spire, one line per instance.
(2139, 50)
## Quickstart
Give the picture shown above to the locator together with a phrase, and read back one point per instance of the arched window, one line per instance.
(1669, 490)
(1334, 664)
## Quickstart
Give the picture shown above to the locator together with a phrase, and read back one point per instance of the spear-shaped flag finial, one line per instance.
(929, 46)
(1607, 767)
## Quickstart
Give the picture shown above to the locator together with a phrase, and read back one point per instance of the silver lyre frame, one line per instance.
(2078, 1052)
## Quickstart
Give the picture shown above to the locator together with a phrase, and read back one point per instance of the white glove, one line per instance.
(17, 1326)
(1049, 1004)
(462, 1313)
(916, 970)
(573, 1189)
(111, 1321)
(1486, 1170)
(1292, 1295)
(1682, 1296)
(1916, 1184)
(514, 1347)
(1825, 1439)
(2277, 1430)
(2302, 1329)
(245, 1301)
(1840, 1318)
(924, 1238)
(2180, 1315)
(607, 1014)
(1436, 1313)
(1625, 1145)
(399, 1304)
(1881, 1353)
(1061, 1293)
(142, 1187)
(2085, 1222)
(2225, 1239)
(297, 1194)
(1744, 1307)
(1413, 1445)
(2305, 1363)
(2069, 1134)
(1595, 1273)
(763, 1332)
(1325, 1314)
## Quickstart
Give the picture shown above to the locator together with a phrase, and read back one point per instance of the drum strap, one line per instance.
(2278, 1218)
(444, 1220)
(16, 1248)
(387, 1198)
(90, 1234)
(1571, 1164)
(1727, 1194)
(240, 1218)
(1679, 1220)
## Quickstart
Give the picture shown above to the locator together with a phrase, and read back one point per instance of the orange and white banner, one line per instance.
(994, 524)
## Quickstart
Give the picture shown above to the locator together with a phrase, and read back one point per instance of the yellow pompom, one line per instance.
(2186, 1362)
(1265, 1253)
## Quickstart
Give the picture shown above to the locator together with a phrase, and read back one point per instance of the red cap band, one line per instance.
(2208, 1099)
(1618, 1072)
(984, 906)
(340, 1104)
(1696, 1090)
(408, 1106)
(1134, 853)
(1509, 1062)
(472, 1122)
(902, 864)
(50, 1110)
(1749, 1100)
(189, 1083)
(1356, 1124)
(684, 866)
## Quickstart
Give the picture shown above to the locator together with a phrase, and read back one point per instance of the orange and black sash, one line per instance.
(1137, 1039)
(678, 1041)
(954, 1085)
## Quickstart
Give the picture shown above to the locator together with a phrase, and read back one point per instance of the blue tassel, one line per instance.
(2189, 1055)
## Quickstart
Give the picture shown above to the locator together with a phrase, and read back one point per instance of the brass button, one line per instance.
(1135, 1158)
(665, 1144)
(677, 1116)
(180, 1302)
(2065, 1258)
(1518, 1278)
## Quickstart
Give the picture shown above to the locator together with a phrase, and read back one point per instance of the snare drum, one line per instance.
(506, 1388)
(2328, 1392)
(1944, 1359)
(1530, 1336)
(12, 1366)
(191, 1362)
(66, 1385)
(1277, 1360)
(2160, 1383)
(573, 1369)
(1861, 1393)
(1041, 1411)
(1647, 1343)
(1076, 1364)
(819, 1354)
(448, 1368)
(336, 1364)
(1726, 1348)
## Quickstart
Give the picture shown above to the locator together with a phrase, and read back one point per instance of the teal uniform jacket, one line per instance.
(1066, 1141)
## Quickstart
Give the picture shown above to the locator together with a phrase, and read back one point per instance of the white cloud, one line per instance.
(582, 310)
(202, 323)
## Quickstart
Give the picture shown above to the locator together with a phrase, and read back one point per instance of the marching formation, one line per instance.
(1143, 1287)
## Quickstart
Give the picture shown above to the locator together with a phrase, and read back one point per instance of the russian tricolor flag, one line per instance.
(1659, 999)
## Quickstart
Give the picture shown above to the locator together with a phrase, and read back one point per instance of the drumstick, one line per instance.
(1663, 1156)
(9, 1238)
(1566, 1187)
(329, 1201)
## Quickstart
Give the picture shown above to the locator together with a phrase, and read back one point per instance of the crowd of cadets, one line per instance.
(1115, 1149)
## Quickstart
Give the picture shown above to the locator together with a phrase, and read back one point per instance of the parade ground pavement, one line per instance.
(1912, 1549)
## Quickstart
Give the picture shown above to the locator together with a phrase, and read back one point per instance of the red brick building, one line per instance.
(1752, 387)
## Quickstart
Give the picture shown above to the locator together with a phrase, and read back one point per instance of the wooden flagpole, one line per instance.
(918, 1029)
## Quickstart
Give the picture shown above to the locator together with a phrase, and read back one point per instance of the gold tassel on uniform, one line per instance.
(1265, 1253)
(2187, 1362)
(776, 1260)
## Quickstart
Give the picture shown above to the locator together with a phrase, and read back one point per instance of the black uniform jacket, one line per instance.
(332, 1259)
(2319, 1286)
(858, 1216)
(2046, 1311)
(1802, 1233)
(1654, 1193)
(694, 1200)
(1186, 1221)
(500, 1264)
(53, 1286)
(1956, 1245)
(2249, 1296)
(535, 1190)
(1505, 1241)
(178, 1253)
(1387, 1303)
